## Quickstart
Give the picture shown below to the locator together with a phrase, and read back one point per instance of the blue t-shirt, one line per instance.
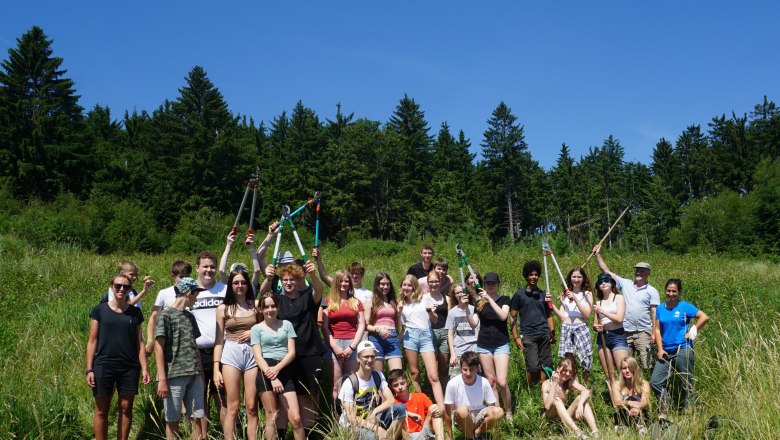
(274, 344)
(674, 324)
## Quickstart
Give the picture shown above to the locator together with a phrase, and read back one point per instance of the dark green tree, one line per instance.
(697, 163)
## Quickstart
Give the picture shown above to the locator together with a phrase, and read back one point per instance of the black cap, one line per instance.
(491, 277)
(605, 278)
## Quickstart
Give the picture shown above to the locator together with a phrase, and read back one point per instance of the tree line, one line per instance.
(152, 180)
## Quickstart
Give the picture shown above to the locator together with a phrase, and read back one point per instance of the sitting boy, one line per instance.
(369, 410)
(423, 418)
(470, 401)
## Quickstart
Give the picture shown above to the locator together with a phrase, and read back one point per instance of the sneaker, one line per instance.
(509, 417)
(582, 436)
(642, 431)
(477, 437)
(595, 434)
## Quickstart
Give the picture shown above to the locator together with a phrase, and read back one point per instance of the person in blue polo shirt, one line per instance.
(642, 299)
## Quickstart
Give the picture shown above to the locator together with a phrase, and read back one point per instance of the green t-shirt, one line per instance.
(180, 330)
(274, 344)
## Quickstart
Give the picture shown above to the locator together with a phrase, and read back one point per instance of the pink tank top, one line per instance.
(385, 316)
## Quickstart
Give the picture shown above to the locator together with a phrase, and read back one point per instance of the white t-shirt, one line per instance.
(205, 312)
(367, 390)
(475, 396)
(415, 315)
(365, 296)
(165, 298)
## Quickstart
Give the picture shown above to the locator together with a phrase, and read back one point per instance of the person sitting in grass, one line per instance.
(424, 419)
(631, 396)
(180, 375)
(555, 394)
(469, 400)
(369, 410)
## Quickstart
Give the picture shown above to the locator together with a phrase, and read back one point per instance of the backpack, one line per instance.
(353, 379)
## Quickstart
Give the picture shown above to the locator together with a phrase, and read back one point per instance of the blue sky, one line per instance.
(573, 72)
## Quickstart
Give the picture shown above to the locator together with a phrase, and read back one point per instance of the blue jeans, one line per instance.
(397, 411)
(681, 361)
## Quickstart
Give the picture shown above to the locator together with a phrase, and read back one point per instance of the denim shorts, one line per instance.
(419, 340)
(615, 339)
(389, 348)
(501, 349)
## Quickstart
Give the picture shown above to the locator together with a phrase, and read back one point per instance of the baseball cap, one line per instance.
(286, 258)
(491, 277)
(642, 265)
(365, 345)
(187, 285)
(238, 266)
(604, 278)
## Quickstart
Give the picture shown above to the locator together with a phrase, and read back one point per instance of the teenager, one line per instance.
(609, 310)
(382, 326)
(115, 357)
(273, 346)
(574, 312)
(441, 306)
(555, 395)
(461, 335)
(343, 326)
(470, 401)
(130, 271)
(250, 243)
(641, 300)
(180, 380)
(233, 357)
(417, 312)
(532, 315)
(425, 265)
(675, 335)
(368, 409)
(165, 297)
(424, 419)
(441, 267)
(630, 395)
(492, 312)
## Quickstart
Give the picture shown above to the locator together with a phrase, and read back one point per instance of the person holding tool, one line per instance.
(641, 299)
(574, 312)
(610, 309)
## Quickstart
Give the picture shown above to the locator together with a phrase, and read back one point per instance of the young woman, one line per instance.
(417, 312)
(631, 396)
(222, 271)
(492, 312)
(300, 304)
(440, 342)
(555, 394)
(461, 336)
(610, 308)
(343, 324)
(273, 346)
(115, 357)
(383, 324)
(574, 311)
(674, 336)
(235, 318)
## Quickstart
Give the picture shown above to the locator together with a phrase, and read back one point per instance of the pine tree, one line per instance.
(40, 121)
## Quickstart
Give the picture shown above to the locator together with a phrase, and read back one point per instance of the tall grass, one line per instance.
(47, 294)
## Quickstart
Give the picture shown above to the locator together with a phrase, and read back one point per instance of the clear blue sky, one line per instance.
(572, 71)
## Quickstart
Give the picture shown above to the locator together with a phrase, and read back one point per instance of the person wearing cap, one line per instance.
(610, 311)
(178, 368)
(165, 297)
(250, 243)
(115, 357)
(369, 410)
(205, 312)
(642, 300)
(492, 313)
(532, 314)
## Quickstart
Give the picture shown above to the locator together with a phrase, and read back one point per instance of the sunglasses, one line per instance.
(239, 283)
(122, 286)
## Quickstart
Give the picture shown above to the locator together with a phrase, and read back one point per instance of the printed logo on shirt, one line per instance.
(207, 303)
(462, 327)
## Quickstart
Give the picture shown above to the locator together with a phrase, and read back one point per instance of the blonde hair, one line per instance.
(335, 294)
(416, 294)
(431, 275)
(636, 382)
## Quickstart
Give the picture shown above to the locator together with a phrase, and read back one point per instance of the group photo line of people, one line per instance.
(284, 334)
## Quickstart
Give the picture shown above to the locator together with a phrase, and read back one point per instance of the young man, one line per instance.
(369, 410)
(445, 281)
(421, 269)
(178, 368)
(165, 298)
(205, 312)
(530, 309)
(470, 401)
(423, 417)
(642, 299)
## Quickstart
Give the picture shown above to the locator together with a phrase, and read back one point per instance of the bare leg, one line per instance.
(464, 422)
(443, 361)
(489, 370)
(431, 369)
(100, 418)
(172, 429)
(337, 375)
(414, 369)
(493, 418)
(395, 364)
(289, 402)
(232, 380)
(250, 402)
(125, 417)
(501, 362)
(271, 409)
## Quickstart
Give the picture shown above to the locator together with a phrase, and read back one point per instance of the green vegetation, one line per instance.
(48, 292)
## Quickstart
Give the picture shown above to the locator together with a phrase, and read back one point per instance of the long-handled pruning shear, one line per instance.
(547, 250)
(462, 259)
(288, 218)
(317, 201)
(253, 184)
(285, 215)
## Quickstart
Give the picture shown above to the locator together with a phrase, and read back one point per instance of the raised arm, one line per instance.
(148, 283)
(315, 253)
(223, 261)
(602, 264)
(272, 228)
(316, 284)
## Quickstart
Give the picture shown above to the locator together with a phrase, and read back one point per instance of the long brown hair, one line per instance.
(454, 298)
(378, 299)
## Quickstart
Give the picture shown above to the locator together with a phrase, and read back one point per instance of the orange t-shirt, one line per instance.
(418, 403)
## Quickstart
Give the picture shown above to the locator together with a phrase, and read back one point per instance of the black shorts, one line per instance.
(285, 376)
(537, 353)
(207, 362)
(306, 371)
(107, 379)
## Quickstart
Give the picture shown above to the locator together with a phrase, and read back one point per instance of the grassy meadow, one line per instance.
(47, 294)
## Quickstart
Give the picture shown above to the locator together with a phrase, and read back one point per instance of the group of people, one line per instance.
(226, 332)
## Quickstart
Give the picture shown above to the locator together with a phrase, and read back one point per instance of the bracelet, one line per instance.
(351, 348)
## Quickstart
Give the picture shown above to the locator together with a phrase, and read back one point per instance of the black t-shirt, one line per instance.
(441, 312)
(445, 285)
(301, 311)
(418, 270)
(493, 332)
(117, 336)
(532, 311)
